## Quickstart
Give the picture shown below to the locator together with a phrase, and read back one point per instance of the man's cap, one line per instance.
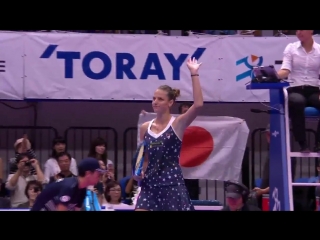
(235, 190)
(90, 164)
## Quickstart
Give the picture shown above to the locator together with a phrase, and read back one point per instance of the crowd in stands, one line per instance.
(256, 33)
(27, 178)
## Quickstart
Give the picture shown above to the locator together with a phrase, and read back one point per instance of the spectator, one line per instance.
(130, 190)
(51, 167)
(112, 195)
(99, 188)
(4, 202)
(17, 182)
(98, 150)
(22, 145)
(237, 195)
(32, 191)
(64, 162)
(109, 175)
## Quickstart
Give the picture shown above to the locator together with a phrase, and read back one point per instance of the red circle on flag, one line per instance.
(197, 145)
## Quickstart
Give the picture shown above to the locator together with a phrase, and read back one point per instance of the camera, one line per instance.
(99, 187)
(28, 163)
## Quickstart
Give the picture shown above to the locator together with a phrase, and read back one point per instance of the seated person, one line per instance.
(51, 166)
(237, 195)
(64, 162)
(130, 190)
(98, 150)
(301, 66)
(32, 191)
(17, 182)
(22, 145)
(112, 196)
(109, 176)
(4, 201)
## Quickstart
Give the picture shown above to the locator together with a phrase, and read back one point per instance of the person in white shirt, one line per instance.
(17, 182)
(301, 65)
(51, 166)
(112, 196)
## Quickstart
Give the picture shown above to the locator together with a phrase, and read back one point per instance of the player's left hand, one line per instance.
(34, 162)
(193, 65)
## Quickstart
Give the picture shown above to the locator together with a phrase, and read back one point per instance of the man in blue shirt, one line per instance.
(68, 194)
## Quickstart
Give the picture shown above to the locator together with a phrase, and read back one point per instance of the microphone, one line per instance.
(260, 111)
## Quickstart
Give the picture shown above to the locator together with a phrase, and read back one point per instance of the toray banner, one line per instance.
(11, 66)
(78, 66)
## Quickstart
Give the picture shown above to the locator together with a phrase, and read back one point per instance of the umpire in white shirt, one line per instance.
(301, 65)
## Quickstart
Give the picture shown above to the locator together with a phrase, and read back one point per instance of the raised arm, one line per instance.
(184, 120)
(286, 62)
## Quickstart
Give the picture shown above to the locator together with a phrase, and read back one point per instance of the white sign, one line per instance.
(11, 66)
(114, 67)
(212, 147)
(74, 66)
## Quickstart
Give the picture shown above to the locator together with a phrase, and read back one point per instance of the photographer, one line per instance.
(17, 182)
(21, 146)
(32, 191)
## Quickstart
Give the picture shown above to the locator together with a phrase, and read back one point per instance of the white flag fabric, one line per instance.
(212, 147)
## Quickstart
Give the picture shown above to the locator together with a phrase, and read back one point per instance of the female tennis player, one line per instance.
(162, 186)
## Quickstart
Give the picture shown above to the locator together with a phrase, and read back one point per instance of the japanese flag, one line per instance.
(212, 147)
